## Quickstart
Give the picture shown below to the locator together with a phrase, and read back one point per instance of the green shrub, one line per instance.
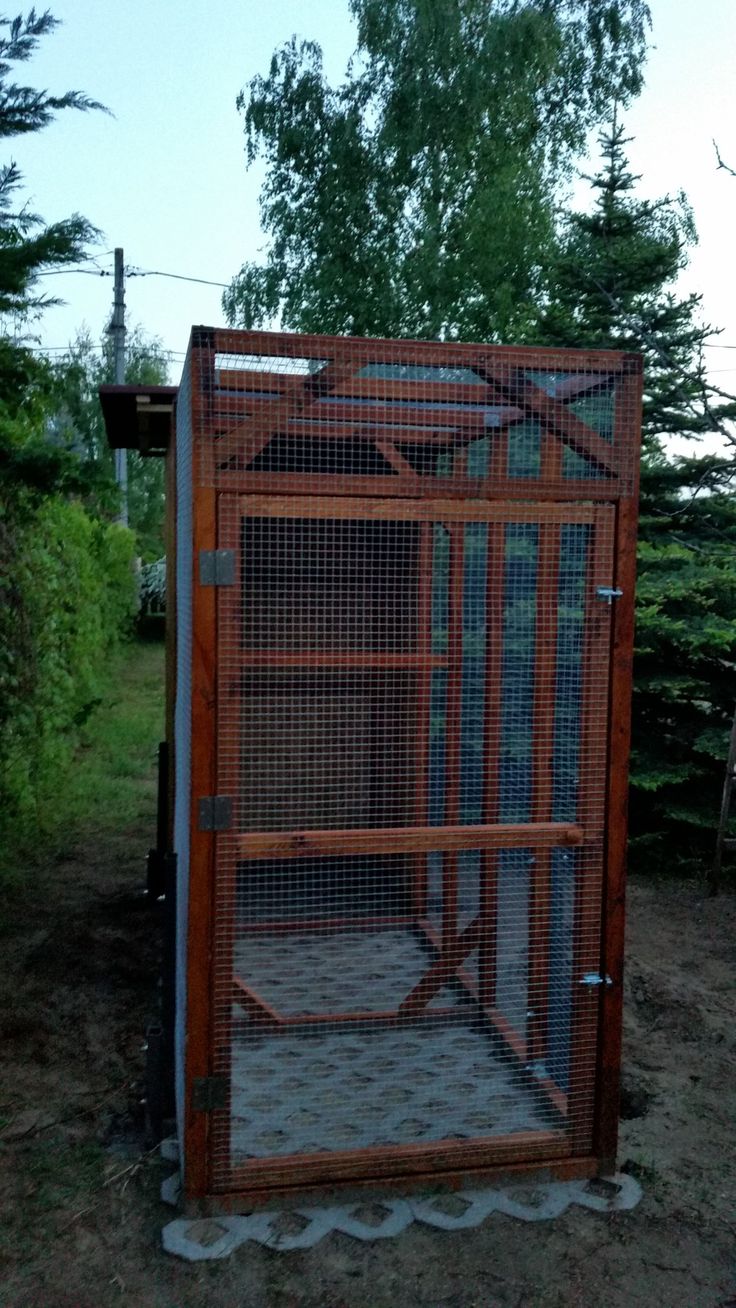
(67, 596)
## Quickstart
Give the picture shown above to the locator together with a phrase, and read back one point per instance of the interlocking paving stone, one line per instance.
(382, 1218)
(387, 1085)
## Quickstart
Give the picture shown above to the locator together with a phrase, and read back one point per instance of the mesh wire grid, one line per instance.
(412, 669)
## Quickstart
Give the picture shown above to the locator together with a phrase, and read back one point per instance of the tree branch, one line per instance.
(727, 168)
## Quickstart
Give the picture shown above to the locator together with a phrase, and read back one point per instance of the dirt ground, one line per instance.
(79, 1208)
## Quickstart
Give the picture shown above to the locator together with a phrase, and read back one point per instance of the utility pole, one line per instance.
(117, 331)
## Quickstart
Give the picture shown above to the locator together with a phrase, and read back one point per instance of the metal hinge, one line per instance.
(216, 567)
(215, 813)
(595, 979)
(608, 593)
(208, 1093)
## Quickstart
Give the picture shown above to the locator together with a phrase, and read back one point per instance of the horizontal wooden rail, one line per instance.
(558, 1168)
(388, 1160)
(362, 350)
(276, 658)
(461, 489)
(368, 508)
(281, 1024)
(405, 840)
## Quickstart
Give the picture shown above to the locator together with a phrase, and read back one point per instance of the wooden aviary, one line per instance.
(400, 620)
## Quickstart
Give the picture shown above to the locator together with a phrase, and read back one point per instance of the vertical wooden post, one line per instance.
(170, 627)
(454, 726)
(540, 881)
(626, 426)
(203, 781)
(229, 726)
(424, 706)
(492, 708)
(588, 862)
(498, 461)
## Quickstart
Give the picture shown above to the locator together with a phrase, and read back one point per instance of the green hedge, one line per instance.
(67, 595)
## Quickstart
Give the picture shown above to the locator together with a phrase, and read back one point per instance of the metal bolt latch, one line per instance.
(595, 979)
(608, 593)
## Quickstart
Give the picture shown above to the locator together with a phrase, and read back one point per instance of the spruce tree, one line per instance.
(28, 247)
(612, 285)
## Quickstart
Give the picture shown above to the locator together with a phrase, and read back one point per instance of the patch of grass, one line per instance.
(110, 783)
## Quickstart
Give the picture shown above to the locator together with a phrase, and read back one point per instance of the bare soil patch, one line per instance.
(79, 1194)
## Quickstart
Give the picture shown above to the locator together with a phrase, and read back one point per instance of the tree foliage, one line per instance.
(611, 286)
(76, 424)
(417, 198)
(27, 244)
(66, 581)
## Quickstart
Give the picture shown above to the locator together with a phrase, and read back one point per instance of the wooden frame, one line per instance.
(606, 504)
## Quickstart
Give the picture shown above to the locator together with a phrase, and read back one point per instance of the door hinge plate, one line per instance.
(608, 593)
(214, 813)
(209, 1093)
(216, 567)
(595, 979)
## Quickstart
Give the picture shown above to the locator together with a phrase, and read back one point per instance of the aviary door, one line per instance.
(412, 719)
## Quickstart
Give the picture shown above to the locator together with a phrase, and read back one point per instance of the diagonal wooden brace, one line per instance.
(555, 416)
(443, 969)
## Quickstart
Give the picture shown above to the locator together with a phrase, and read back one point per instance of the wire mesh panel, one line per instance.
(291, 411)
(412, 649)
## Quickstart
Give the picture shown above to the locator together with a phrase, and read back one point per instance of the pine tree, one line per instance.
(29, 246)
(612, 286)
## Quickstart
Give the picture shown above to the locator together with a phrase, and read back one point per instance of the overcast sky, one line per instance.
(165, 177)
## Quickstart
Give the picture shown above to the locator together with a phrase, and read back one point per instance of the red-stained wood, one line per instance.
(434, 510)
(470, 394)
(274, 413)
(453, 726)
(425, 565)
(575, 492)
(267, 415)
(197, 1178)
(554, 415)
(628, 408)
(280, 1024)
(542, 1170)
(405, 840)
(267, 658)
(513, 1041)
(301, 405)
(170, 690)
(492, 710)
(325, 925)
(543, 718)
(588, 862)
(453, 951)
(348, 1165)
(231, 621)
(259, 1012)
(364, 350)
(228, 411)
(244, 380)
(398, 462)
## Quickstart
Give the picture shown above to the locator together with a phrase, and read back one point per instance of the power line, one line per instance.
(68, 349)
(68, 272)
(132, 272)
(179, 277)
